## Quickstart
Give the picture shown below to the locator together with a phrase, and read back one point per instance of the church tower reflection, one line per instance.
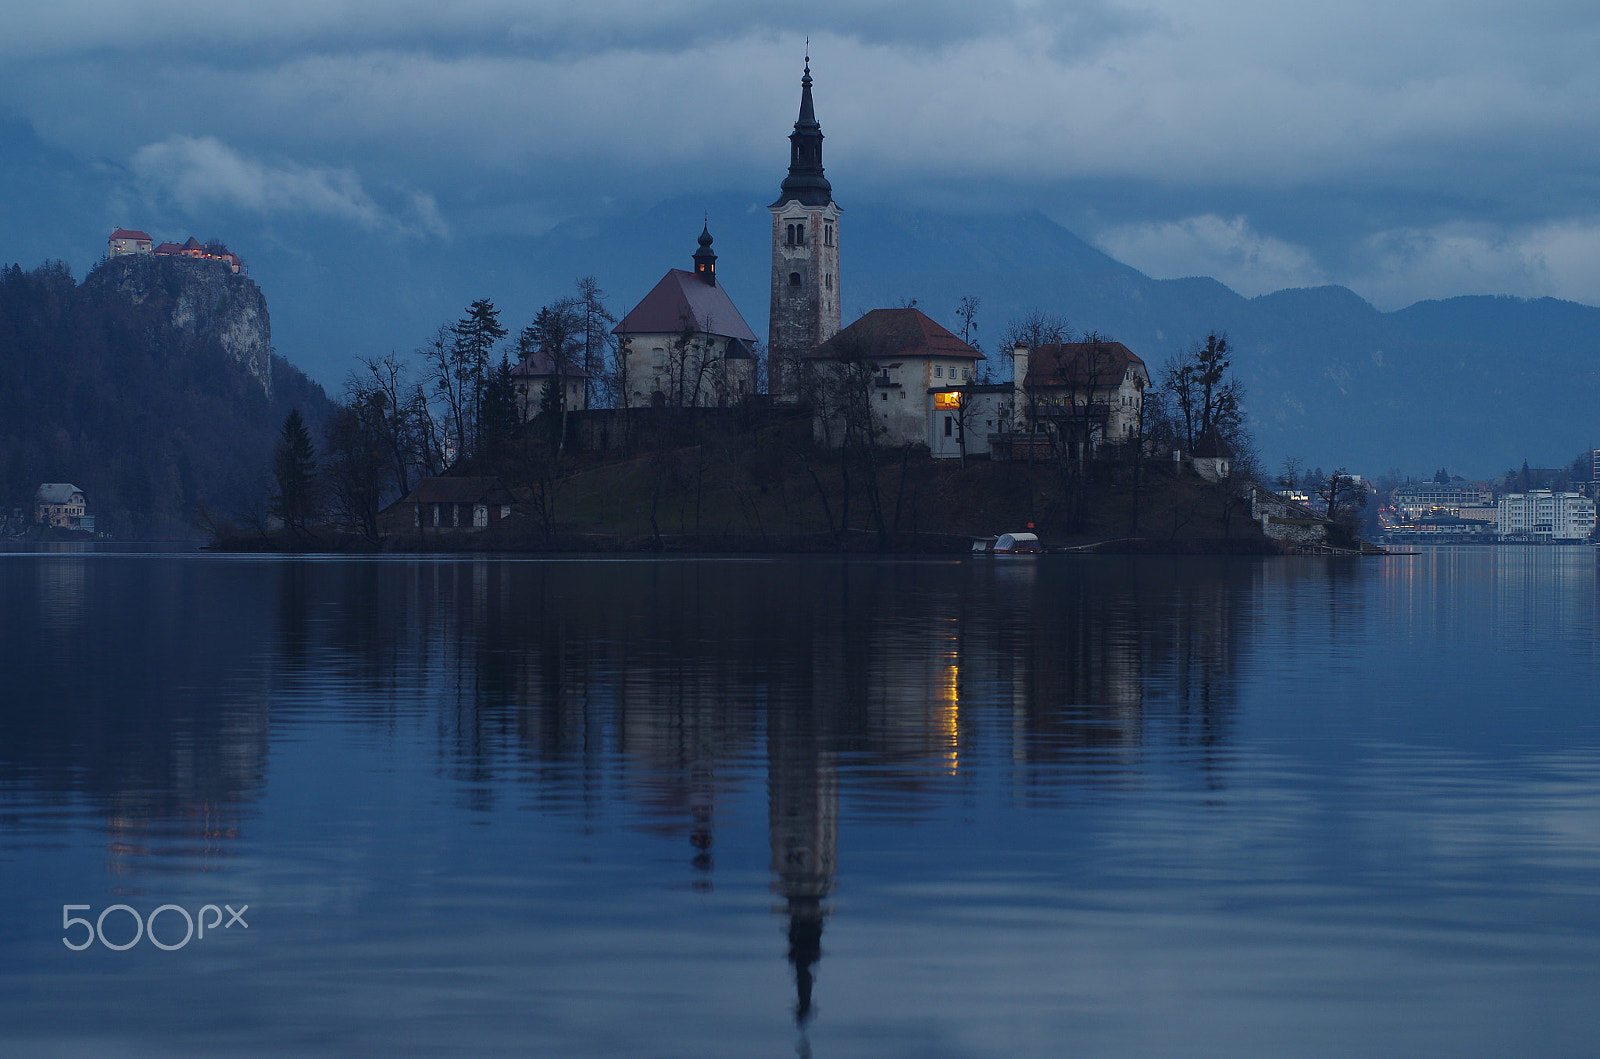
(803, 823)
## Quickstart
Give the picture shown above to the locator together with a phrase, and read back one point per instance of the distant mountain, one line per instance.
(151, 386)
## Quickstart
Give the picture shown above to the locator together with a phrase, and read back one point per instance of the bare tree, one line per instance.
(967, 313)
(1208, 402)
(1034, 331)
(355, 467)
(450, 384)
(406, 424)
(598, 341)
(1344, 496)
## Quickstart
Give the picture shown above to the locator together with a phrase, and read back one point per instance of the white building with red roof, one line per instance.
(685, 345)
(890, 372)
(1098, 384)
(125, 241)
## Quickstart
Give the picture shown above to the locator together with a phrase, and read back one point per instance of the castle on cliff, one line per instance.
(125, 241)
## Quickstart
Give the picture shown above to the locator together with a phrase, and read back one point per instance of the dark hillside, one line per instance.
(123, 389)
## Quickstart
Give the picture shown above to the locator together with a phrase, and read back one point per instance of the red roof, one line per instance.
(886, 333)
(1073, 364)
(130, 233)
(541, 364)
(168, 248)
(684, 299)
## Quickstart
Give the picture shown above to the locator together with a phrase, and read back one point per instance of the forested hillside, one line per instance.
(122, 389)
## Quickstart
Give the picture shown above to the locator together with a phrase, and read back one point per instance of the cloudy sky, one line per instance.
(1406, 150)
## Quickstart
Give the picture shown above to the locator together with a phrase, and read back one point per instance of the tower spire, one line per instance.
(805, 253)
(806, 183)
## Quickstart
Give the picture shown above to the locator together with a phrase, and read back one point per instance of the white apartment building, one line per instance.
(1540, 515)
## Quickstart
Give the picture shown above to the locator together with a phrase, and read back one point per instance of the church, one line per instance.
(685, 345)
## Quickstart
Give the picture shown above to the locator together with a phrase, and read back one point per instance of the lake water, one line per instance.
(827, 807)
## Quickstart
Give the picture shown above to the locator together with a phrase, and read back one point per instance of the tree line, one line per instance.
(454, 403)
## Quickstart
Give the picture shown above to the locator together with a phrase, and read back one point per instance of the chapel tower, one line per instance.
(805, 254)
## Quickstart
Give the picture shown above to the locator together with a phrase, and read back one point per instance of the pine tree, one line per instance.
(475, 338)
(294, 465)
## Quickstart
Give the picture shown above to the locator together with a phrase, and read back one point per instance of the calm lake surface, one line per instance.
(827, 807)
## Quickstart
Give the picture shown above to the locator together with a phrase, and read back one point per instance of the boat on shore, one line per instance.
(1008, 544)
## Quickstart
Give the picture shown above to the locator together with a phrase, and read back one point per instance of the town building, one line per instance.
(63, 506)
(1542, 515)
(889, 373)
(805, 255)
(685, 344)
(1415, 501)
(1443, 528)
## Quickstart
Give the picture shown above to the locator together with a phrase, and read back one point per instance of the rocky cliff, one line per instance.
(203, 300)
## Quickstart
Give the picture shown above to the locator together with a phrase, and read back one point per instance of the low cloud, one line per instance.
(1227, 249)
(200, 174)
(1559, 259)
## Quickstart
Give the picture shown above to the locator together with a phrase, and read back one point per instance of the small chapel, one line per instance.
(685, 345)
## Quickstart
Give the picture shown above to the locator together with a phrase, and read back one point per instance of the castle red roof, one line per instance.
(683, 299)
(884, 334)
(1072, 364)
(130, 233)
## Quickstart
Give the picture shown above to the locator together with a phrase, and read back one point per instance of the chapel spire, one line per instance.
(705, 259)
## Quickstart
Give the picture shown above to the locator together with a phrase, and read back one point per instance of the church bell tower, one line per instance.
(805, 254)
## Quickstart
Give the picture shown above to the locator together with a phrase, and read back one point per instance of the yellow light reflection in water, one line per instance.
(949, 716)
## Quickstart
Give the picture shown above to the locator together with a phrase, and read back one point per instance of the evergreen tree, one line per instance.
(294, 465)
(475, 338)
(500, 422)
(558, 330)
